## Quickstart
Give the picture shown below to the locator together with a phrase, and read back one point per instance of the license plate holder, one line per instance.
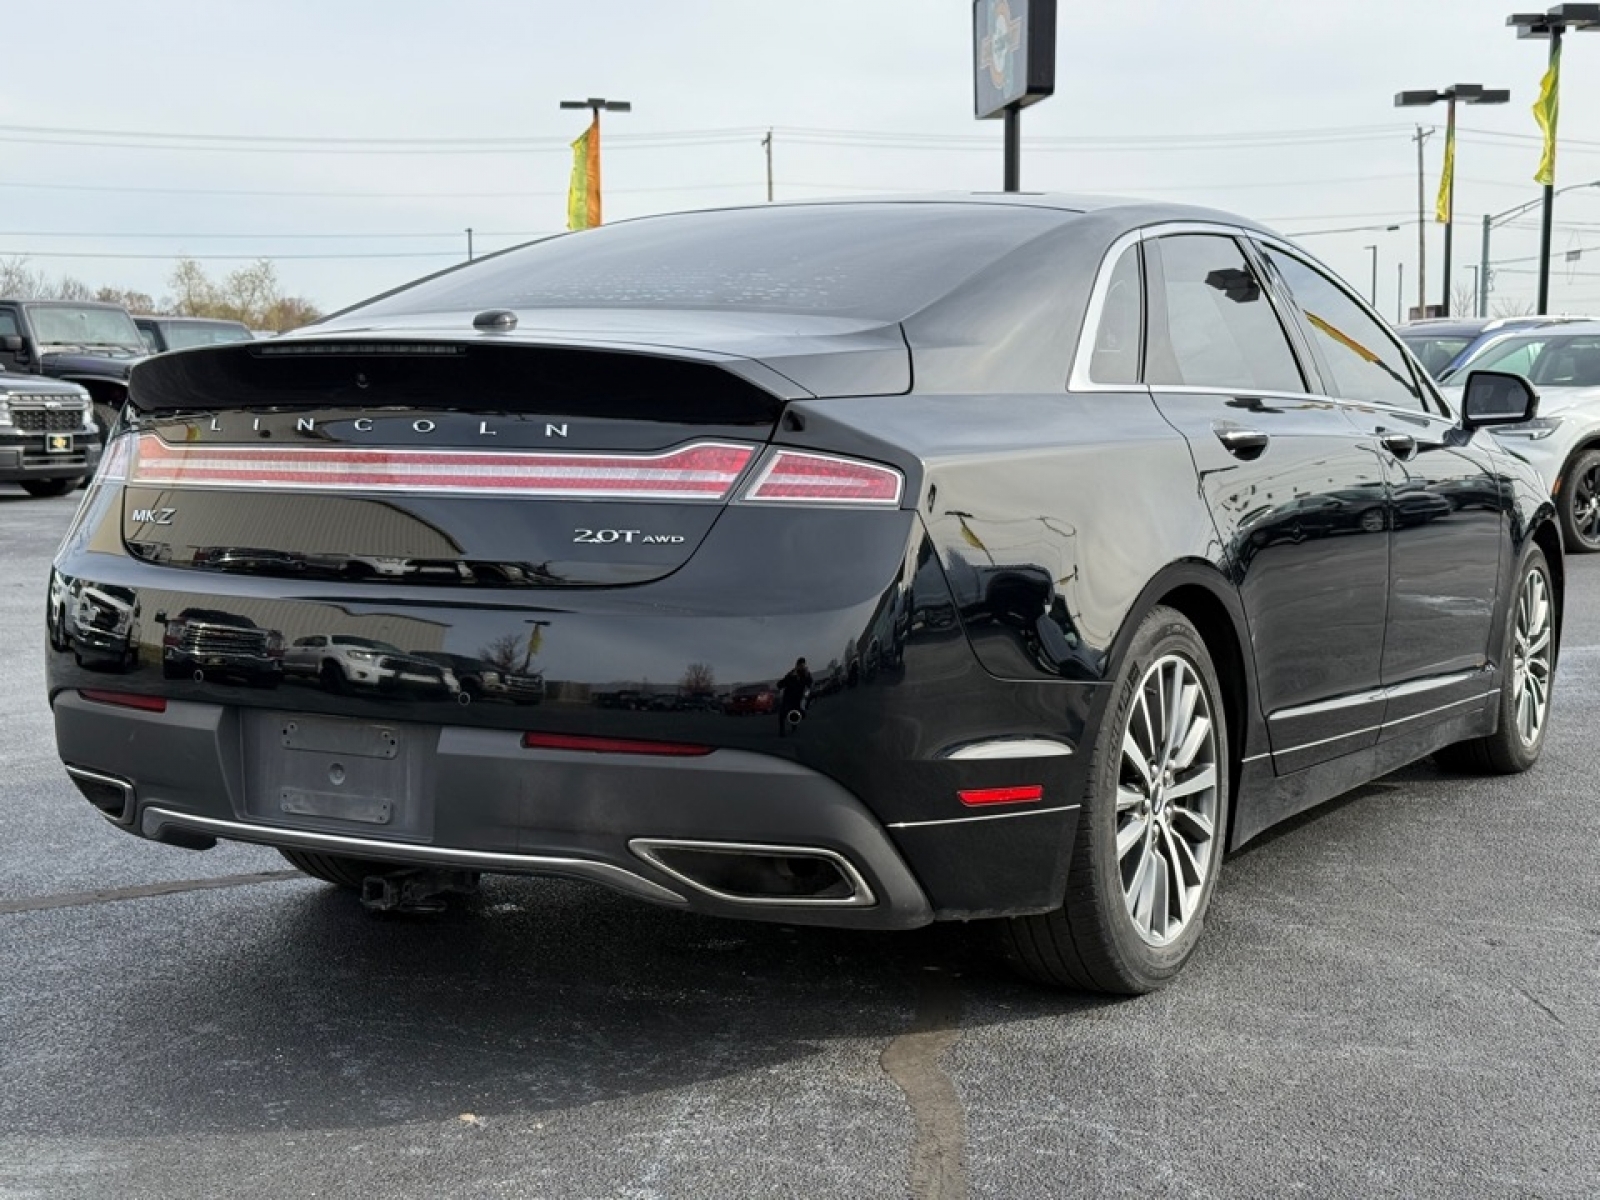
(338, 773)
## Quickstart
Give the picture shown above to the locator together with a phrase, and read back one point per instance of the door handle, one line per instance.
(1242, 443)
(1401, 445)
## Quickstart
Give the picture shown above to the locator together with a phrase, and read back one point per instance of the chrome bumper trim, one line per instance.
(154, 818)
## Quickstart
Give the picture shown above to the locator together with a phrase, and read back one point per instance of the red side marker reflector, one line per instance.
(609, 745)
(1027, 794)
(125, 699)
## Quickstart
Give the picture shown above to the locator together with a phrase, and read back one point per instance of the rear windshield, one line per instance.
(184, 335)
(876, 261)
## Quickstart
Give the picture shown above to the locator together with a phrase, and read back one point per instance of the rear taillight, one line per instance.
(114, 463)
(800, 477)
(702, 471)
(609, 745)
(155, 704)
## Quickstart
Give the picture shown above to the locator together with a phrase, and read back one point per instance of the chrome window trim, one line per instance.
(1078, 379)
(1421, 378)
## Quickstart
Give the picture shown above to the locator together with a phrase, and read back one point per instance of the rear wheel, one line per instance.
(1527, 673)
(48, 487)
(1578, 502)
(1149, 838)
(336, 868)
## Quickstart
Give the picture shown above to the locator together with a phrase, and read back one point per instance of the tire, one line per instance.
(1527, 675)
(336, 868)
(42, 488)
(1100, 939)
(332, 676)
(1578, 502)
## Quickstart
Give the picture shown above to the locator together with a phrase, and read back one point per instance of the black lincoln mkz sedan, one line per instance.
(1110, 534)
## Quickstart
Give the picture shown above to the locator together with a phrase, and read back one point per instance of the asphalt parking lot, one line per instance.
(1397, 996)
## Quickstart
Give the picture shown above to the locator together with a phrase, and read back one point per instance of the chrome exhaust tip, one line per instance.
(111, 794)
(757, 874)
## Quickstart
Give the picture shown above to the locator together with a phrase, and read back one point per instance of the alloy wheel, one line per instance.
(1585, 502)
(1530, 656)
(1167, 802)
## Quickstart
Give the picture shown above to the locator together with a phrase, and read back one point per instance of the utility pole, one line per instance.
(767, 142)
(469, 243)
(1422, 223)
(1399, 293)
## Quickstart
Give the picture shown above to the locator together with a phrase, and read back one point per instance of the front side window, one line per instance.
(1216, 328)
(1362, 360)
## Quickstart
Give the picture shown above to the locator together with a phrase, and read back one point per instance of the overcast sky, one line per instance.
(1152, 98)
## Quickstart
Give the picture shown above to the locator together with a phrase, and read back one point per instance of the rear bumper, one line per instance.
(482, 802)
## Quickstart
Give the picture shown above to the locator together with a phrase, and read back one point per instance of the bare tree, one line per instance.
(1507, 307)
(699, 679)
(19, 280)
(251, 294)
(1463, 300)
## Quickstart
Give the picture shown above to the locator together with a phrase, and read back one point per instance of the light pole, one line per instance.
(1373, 250)
(1467, 93)
(1551, 25)
(1490, 220)
(596, 104)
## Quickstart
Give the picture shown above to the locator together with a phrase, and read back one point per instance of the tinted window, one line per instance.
(1435, 353)
(8, 323)
(1569, 362)
(1360, 356)
(876, 261)
(1116, 339)
(1517, 357)
(1219, 329)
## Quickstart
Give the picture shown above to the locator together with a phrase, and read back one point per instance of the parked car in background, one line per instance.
(1562, 443)
(483, 680)
(344, 663)
(184, 333)
(723, 442)
(216, 645)
(1442, 344)
(49, 439)
(85, 342)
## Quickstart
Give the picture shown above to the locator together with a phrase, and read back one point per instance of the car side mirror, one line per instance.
(161, 616)
(12, 343)
(1497, 398)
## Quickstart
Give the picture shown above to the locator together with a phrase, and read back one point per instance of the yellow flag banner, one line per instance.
(583, 194)
(1447, 179)
(1545, 111)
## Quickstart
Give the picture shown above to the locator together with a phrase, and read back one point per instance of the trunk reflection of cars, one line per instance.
(211, 644)
(342, 662)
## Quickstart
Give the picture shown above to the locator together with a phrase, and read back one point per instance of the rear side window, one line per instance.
(1363, 361)
(1214, 326)
(1116, 339)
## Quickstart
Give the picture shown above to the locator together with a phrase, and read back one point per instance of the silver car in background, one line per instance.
(1563, 442)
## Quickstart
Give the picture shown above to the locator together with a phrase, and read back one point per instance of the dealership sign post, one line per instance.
(1013, 66)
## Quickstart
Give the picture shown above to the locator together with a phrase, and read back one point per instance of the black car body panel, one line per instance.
(960, 631)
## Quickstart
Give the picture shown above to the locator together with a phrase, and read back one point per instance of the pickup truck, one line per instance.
(49, 439)
(81, 341)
